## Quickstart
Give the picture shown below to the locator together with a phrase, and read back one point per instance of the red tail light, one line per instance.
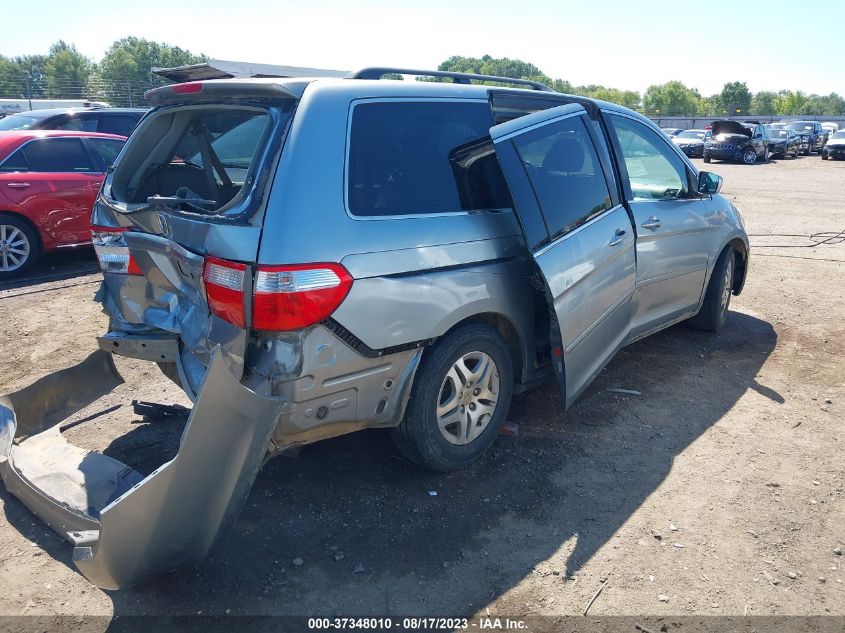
(287, 297)
(224, 283)
(112, 251)
(294, 296)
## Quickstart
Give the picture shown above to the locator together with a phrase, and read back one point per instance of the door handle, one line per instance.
(618, 238)
(652, 223)
(17, 185)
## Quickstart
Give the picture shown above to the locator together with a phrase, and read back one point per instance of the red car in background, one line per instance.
(48, 183)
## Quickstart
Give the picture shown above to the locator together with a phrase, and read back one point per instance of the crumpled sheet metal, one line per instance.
(177, 513)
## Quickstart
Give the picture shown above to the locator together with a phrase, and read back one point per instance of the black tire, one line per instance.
(749, 156)
(711, 316)
(706, 157)
(22, 231)
(418, 437)
(824, 155)
(766, 154)
(809, 149)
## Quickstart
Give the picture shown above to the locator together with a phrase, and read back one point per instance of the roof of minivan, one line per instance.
(385, 88)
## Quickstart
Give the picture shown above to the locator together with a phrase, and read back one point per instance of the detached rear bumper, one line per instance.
(124, 527)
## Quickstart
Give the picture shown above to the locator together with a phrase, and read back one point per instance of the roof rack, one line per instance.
(376, 72)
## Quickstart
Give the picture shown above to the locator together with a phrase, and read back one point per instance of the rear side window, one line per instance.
(78, 123)
(565, 172)
(401, 159)
(58, 155)
(120, 124)
(106, 149)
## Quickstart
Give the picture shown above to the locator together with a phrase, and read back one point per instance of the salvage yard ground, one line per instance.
(720, 489)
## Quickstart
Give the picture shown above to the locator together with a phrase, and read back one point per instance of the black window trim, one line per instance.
(346, 154)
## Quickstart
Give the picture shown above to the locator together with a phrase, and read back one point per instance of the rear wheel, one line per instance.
(706, 157)
(459, 399)
(824, 155)
(711, 316)
(19, 246)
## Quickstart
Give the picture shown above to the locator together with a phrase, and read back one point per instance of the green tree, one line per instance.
(11, 79)
(764, 103)
(66, 71)
(711, 106)
(671, 98)
(625, 98)
(501, 67)
(125, 68)
(736, 97)
(31, 70)
(788, 102)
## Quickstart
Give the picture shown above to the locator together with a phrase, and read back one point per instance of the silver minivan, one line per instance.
(311, 257)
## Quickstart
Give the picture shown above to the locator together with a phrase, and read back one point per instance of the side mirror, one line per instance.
(709, 183)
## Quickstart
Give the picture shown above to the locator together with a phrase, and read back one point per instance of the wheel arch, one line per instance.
(740, 250)
(509, 332)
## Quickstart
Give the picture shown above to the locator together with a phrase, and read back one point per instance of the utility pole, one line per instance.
(28, 90)
(129, 90)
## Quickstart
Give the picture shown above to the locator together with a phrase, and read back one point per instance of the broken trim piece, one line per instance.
(176, 514)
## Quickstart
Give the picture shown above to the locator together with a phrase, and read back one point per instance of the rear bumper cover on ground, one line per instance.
(126, 528)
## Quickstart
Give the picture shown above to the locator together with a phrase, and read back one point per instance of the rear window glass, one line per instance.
(399, 156)
(200, 154)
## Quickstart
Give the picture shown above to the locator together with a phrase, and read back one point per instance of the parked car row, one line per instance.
(754, 141)
(52, 163)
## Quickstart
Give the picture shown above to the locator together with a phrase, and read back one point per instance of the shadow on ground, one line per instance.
(57, 266)
(563, 484)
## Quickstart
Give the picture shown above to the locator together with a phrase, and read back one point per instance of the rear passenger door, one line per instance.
(577, 231)
(673, 232)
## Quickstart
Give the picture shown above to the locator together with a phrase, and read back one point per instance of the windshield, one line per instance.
(691, 134)
(18, 122)
(236, 147)
(779, 133)
(839, 134)
(800, 126)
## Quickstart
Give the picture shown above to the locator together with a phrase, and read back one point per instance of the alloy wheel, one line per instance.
(727, 282)
(14, 248)
(749, 156)
(467, 398)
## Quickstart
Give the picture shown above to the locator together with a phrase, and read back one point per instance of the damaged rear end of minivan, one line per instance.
(177, 229)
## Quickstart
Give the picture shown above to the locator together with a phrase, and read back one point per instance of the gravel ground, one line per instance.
(718, 490)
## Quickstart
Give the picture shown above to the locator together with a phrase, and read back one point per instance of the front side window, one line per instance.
(401, 158)
(563, 167)
(57, 155)
(655, 171)
(15, 162)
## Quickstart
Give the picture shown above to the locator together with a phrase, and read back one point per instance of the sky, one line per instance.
(626, 44)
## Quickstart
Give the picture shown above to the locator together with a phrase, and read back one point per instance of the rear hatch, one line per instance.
(189, 187)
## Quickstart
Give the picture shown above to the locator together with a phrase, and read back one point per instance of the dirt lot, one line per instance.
(732, 454)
